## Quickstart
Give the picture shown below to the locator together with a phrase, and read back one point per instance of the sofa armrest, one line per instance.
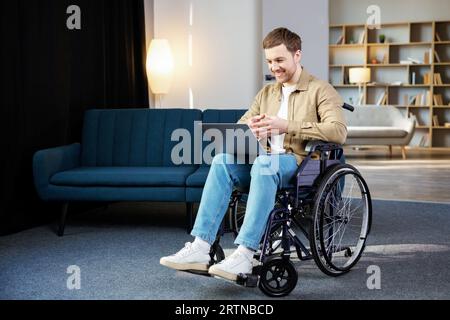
(50, 161)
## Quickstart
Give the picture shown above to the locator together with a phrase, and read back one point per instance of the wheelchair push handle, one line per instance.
(348, 107)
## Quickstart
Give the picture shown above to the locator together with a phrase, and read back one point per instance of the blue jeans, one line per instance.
(267, 174)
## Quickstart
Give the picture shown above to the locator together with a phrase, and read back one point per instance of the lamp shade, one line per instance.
(160, 66)
(359, 75)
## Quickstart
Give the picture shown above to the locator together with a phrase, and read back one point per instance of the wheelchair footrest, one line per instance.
(247, 280)
(197, 272)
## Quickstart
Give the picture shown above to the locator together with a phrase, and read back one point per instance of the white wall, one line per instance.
(307, 18)
(227, 38)
(354, 11)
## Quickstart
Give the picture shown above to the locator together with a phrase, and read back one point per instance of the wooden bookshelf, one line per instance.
(403, 68)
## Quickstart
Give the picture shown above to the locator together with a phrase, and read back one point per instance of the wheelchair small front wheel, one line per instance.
(278, 277)
(342, 217)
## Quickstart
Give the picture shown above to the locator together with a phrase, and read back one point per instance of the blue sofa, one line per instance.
(125, 155)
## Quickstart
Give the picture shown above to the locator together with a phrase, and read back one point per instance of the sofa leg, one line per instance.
(62, 219)
(404, 153)
(189, 216)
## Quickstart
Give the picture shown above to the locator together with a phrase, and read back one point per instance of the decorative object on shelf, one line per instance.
(374, 61)
(160, 67)
(359, 76)
(447, 124)
(382, 38)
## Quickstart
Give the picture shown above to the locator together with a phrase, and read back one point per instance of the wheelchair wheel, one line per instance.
(342, 216)
(278, 277)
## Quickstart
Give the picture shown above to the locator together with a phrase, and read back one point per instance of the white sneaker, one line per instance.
(235, 264)
(189, 258)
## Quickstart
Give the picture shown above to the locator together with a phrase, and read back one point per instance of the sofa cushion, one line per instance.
(133, 137)
(198, 178)
(375, 132)
(124, 176)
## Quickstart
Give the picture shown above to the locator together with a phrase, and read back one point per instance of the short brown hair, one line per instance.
(280, 36)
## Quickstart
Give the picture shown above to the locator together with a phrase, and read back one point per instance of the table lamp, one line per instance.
(359, 76)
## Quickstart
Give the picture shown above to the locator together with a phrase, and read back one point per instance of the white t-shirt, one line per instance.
(277, 142)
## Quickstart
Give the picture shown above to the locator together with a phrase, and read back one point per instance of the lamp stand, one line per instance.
(158, 100)
(360, 98)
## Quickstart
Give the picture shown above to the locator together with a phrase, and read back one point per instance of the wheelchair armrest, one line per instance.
(319, 145)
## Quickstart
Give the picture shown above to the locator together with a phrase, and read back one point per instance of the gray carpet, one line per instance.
(118, 251)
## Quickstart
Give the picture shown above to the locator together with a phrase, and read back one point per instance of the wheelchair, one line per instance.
(328, 203)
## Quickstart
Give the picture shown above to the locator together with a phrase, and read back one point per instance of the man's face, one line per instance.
(282, 63)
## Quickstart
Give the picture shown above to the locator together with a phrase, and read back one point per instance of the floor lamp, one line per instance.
(160, 67)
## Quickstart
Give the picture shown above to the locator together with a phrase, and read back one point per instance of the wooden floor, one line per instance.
(423, 176)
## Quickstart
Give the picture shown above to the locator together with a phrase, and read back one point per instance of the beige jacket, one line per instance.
(314, 113)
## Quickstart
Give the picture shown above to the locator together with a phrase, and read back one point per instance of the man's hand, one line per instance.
(264, 126)
(253, 123)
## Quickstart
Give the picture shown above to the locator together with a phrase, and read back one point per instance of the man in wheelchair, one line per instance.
(287, 115)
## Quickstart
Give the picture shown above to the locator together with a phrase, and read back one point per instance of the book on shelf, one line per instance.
(438, 38)
(447, 124)
(420, 99)
(405, 100)
(426, 57)
(435, 121)
(406, 62)
(411, 100)
(382, 99)
(414, 61)
(436, 56)
(340, 39)
(427, 78)
(362, 37)
(423, 140)
(437, 98)
(429, 98)
(437, 78)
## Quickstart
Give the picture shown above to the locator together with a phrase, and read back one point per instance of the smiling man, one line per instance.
(297, 108)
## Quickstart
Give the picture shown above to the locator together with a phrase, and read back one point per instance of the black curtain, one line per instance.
(50, 76)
